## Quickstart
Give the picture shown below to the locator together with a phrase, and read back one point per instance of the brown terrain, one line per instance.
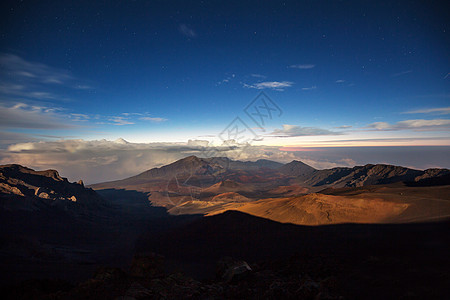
(234, 229)
(296, 193)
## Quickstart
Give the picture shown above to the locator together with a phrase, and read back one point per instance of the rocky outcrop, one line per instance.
(25, 188)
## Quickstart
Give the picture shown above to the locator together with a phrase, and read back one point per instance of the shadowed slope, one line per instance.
(365, 261)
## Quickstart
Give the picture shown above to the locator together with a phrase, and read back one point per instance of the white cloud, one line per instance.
(227, 79)
(33, 80)
(202, 143)
(15, 65)
(8, 138)
(31, 117)
(120, 121)
(22, 115)
(309, 88)
(275, 85)
(380, 126)
(153, 119)
(187, 31)
(340, 81)
(401, 73)
(102, 160)
(79, 117)
(257, 75)
(438, 111)
(416, 125)
(302, 66)
(294, 130)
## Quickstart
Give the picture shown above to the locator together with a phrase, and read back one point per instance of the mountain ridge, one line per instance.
(304, 174)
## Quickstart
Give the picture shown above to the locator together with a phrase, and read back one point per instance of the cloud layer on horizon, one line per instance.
(102, 160)
(294, 130)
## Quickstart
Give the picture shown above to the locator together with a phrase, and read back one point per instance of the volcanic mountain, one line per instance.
(213, 170)
(296, 168)
(279, 192)
(194, 166)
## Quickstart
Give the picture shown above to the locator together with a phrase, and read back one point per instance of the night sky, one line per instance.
(342, 73)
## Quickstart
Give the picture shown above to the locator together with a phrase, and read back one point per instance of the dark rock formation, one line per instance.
(27, 189)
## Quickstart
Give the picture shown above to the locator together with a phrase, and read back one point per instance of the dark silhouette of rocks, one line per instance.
(27, 189)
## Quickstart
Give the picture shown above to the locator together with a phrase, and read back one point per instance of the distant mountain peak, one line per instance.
(296, 168)
(190, 158)
(121, 141)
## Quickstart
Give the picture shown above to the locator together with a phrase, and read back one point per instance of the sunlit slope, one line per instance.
(377, 205)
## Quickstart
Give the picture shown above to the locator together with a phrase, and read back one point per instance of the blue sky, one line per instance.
(169, 71)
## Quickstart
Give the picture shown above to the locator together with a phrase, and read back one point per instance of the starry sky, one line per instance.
(334, 73)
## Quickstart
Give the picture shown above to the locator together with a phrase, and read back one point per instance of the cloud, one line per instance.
(202, 143)
(14, 65)
(394, 139)
(344, 127)
(401, 73)
(25, 116)
(340, 81)
(153, 119)
(79, 117)
(302, 66)
(120, 121)
(415, 125)
(102, 160)
(83, 87)
(227, 79)
(33, 80)
(438, 111)
(31, 117)
(257, 75)
(187, 31)
(12, 89)
(294, 130)
(275, 85)
(8, 138)
(309, 88)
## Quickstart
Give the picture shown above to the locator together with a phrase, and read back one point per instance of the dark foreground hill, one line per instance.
(363, 261)
(238, 256)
